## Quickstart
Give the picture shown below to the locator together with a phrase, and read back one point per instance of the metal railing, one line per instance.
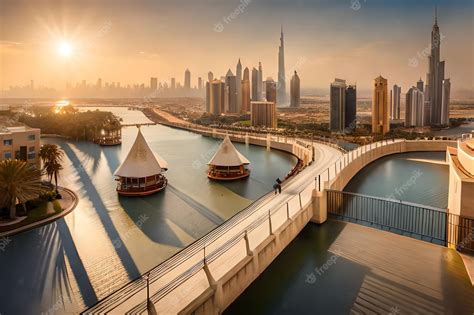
(461, 233)
(427, 223)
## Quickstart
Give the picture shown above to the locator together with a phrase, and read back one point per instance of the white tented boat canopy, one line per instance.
(141, 161)
(227, 155)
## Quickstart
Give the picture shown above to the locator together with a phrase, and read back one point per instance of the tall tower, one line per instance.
(187, 80)
(434, 80)
(231, 86)
(270, 90)
(281, 71)
(380, 110)
(395, 102)
(295, 91)
(238, 85)
(337, 101)
(255, 77)
(259, 82)
(245, 92)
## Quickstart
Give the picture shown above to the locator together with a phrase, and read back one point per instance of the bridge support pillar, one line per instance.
(320, 212)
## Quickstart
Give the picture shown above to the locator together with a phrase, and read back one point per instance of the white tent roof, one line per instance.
(227, 155)
(141, 161)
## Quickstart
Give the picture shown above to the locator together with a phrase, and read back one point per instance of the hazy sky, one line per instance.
(130, 41)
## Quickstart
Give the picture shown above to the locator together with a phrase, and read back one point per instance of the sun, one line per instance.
(65, 49)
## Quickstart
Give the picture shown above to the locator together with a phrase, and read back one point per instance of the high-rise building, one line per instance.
(238, 84)
(434, 80)
(199, 83)
(420, 85)
(263, 114)
(260, 82)
(217, 97)
(187, 80)
(380, 110)
(281, 71)
(255, 76)
(414, 108)
(245, 92)
(208, 96)
(295, 91)
(270, 90)
(210, 76)
(231, 87)
(173, 83)
(337, 101)
(395, 95)
(153, 84)
(350, 116)
(445, 102)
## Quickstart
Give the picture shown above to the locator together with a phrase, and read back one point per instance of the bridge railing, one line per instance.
(428, 223)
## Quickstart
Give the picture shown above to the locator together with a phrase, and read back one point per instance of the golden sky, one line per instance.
(130, 41)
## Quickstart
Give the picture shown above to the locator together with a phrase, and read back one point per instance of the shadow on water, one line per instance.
(92, 151)
(27, 285)
(102, 212)
(112, 154)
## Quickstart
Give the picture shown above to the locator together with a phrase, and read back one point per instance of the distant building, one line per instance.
(173, 83)
(281, 71)
(210, 76)
(231, 87)
(153, 84)
(295, 91)
(342, 106)
(22, 143)
(208, 96)
(263, 114)
(420, 85)
(395, 95)
(414, 108)
(270, 90)
(199, 83)
(187, 80)
(217, 97)
(255, 76)
(337, 101)
(437, 102)
(238, 85)
(259, 82)
(246, 92)
(380, 110)
(350, 122)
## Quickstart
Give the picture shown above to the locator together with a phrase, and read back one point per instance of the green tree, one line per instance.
(52, 158)
(19, 182)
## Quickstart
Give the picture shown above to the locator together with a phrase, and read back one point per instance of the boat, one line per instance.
(228, 163)
(141, 173)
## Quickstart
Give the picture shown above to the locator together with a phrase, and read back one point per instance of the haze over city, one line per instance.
(129, 42)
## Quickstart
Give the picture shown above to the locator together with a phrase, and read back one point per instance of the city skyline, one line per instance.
(100, 45)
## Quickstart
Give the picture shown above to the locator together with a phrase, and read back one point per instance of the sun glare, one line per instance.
(65, 49)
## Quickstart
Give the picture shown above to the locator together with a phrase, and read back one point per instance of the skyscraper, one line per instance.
(445, 102)
(187, 80)
(395, 94)
(337, 101)
(263, 114)
(210, 76)
(260, 82)
(350, 122)
(295, 91)
(238, 84)
(434, 80)
(199, 83)
(255, 76)
(380, 110)
(231, 90)
(281, 71)
(270, 90)
(414, 108)
(420, 85)
(245, 92)
(153, 84)
(217, 99)
(173, 84)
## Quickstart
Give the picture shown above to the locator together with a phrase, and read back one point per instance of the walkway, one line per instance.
(368, 272)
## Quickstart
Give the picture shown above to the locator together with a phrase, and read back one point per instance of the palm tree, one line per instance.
(19, 181)
(52, 158)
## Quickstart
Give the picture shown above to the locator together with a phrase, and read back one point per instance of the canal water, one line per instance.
(108, 241)
(283, 288)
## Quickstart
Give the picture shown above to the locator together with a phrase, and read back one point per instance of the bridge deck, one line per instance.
(374, 272)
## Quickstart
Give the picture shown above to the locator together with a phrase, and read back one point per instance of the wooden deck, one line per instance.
(376, 272)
